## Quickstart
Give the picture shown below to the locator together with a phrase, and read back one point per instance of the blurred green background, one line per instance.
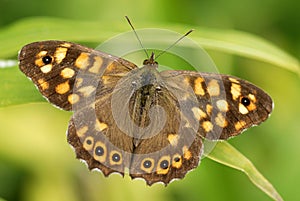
(36, 163)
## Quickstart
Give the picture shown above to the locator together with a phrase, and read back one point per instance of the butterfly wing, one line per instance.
(66, 73)
(227, 105)
(77, 78)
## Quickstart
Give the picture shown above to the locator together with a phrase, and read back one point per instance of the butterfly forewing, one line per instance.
(58, 68)
(227, 105)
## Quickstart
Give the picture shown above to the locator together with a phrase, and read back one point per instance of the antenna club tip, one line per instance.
(190, 31)
(127, 18)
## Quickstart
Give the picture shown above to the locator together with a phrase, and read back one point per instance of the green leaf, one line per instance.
(226, 154)
(247, 45)
(16, 89)
(228, 41)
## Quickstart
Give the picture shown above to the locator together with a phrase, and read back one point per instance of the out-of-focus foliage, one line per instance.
(36, 162)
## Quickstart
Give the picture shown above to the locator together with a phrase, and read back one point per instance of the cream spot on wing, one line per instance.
(209, 109)
(42, 53)
(66, 45)
(60, 54)
(187, 125)
(96, 65)
(239, 125)
(43, 84)
(198, 86)
(73, 98)
(207, 126)
(198, 113)
(233, 80)
(110, 67)
(221, 121)
(185, 97)
(67, 73)
(252, 97)
(47, 68)
(81, 132)
(187, 154)
(39, 62)
(99, 126)
(213, 88)
(235, 91)
(173, 139)
(63, 87)
(78, 82)
(222, 105)
(87, 90)
(105, 79)
(82, 61)
(243, 109)
(251, 107)
(186, 80)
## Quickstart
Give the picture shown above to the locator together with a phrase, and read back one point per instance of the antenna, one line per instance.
(177, 41)
(162, 52)
(136, 35)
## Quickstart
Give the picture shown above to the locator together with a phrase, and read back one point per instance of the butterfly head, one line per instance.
(151, 61)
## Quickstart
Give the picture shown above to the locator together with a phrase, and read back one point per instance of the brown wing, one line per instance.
(66, 73)
(227, 105)
(73, 77)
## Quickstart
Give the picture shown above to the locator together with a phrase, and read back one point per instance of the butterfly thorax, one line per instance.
(147, 88)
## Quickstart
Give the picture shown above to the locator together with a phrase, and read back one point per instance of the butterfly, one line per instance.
(149, 122)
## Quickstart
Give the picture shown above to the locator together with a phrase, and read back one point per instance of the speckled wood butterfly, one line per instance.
(139, 119)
